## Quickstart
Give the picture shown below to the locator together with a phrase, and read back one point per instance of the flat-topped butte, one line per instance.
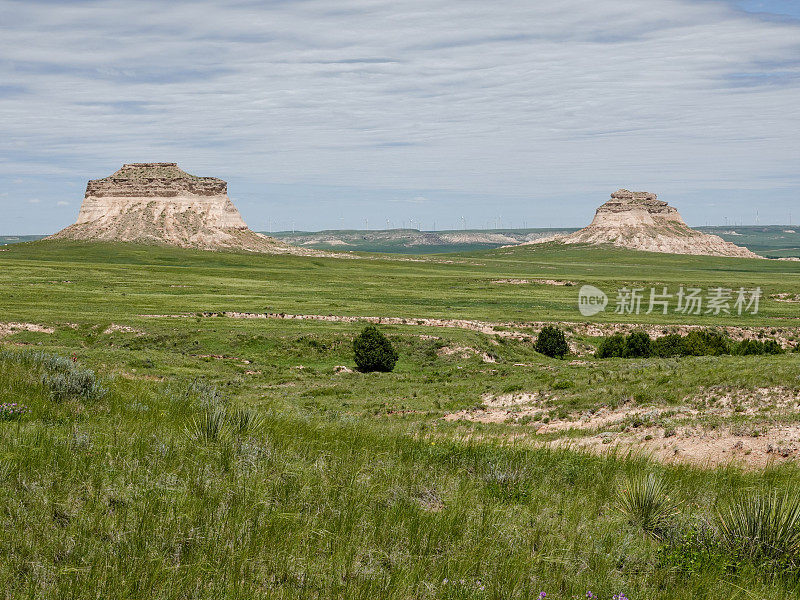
(154, 180)
(640, 221)
(159, 203)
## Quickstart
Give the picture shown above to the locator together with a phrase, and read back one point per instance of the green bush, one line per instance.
(749, 348)
(707, 342)
(611, 347)
(210, 426)
(638, 345)
(551, 342)
(373, 351)
(757, 347)
(669, 346)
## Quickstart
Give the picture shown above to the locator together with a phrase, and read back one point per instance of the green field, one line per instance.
(210, 456)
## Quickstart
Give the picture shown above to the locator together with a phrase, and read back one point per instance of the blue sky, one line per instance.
(341, 113)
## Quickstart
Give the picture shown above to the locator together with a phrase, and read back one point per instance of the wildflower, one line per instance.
(12, 410)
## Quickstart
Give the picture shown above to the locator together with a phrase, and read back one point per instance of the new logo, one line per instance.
(591, 300)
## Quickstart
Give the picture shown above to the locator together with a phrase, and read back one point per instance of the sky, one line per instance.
(435, 114)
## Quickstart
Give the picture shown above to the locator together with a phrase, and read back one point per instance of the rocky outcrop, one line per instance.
(158, 203)
(640, 221)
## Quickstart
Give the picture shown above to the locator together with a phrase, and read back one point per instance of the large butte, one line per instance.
(640, 221)
(158, 203)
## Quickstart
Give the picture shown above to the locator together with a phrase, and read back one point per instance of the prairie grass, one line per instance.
(213, 458)
(101, 498)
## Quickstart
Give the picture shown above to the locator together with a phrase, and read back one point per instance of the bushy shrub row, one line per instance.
(695, 343)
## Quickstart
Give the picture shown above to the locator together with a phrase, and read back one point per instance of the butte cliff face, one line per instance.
(158, 203)
(640, 221)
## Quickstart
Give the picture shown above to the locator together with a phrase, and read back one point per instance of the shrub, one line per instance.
(762, 526)
(749, 348)
(669, 346)
(373, 351)
(61, 376)
(757, 347)
(706, 343)
(645, 501)
(551, 342)
(611, 347)
(75, 382)
(772, 347)
(638, 345)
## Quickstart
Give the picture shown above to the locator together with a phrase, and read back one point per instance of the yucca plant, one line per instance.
(646, 501)
(244, 420)
(762, 526)
(210, 426)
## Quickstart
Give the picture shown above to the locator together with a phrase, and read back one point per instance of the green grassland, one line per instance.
(327, 484)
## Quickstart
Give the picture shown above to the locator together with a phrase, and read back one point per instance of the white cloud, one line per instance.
(34, 201)
(516, 98)
(62, 203)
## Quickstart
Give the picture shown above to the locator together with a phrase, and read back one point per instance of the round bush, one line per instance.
(373, 351)
(638, 345)
(551, 342)
(611, 347)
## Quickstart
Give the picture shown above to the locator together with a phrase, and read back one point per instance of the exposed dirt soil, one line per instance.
(115, 328)
(12, 328)
(669, 434)
(539, 281)
(464, 352)
(699, 445)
